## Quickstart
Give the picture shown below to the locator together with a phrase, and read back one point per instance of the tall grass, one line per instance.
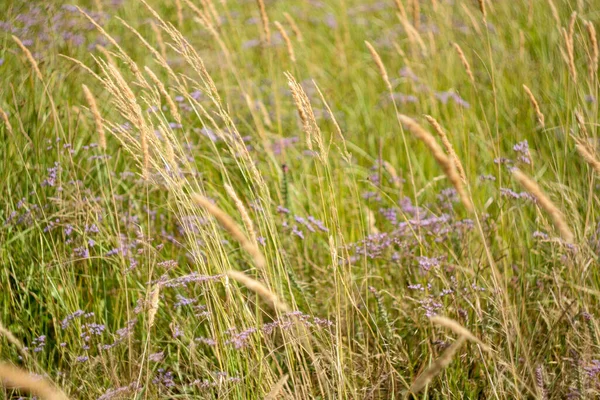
(217, 199)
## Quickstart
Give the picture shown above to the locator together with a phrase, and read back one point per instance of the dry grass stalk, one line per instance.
(286, 39)
(581, 123)
(294, 27)
(107, 54)
(132, 65)
(482, 8)
(276, 389)
(536, 106)
(588, 156)
(416, 14)
(232, 227)
(393, 173)
(179, 9)
(379, 63)
(159, 39)
(163, 91)
(260, 289)
(449, 148)
(459, 330)
(212, 11)
(89, 97)
(264, 17)
(572, 21)
(442, 159)
(307, 116)
(243, 212)
(546, 204)
(400, 8)
(4, 117)
(474, 21)
(437, 366)
(30, 58)
(346, 155)
(594, 53)
(413, 35)
(154, 299)
(158, 56)
(568, 37)
(16, 378)
(371, 221)
(554, 11)
(14, 341)
(464, 62)
(99, 7)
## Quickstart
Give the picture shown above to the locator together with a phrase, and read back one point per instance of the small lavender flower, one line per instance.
(67, 321)
(156, 357)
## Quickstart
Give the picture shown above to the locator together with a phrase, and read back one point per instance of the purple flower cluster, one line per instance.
(163, 378)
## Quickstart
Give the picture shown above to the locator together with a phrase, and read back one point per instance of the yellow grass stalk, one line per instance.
(554, 11)
(294, 27)
(6, 121)
(416, 14)
(286, 39)
(482, 8)
(276, 389)
(264, 17)
(154, 299)
(459, 330)
(99, 7)
(338, 129)
(30, 58)
(465, 62)
(13, 340)
(159, 39)
(260, 289)
(449, 148)
(179, 9)
(243, 212)
(536, 106)
(379, 63)
(16, 378)
(588, 156)
(132, 65)
(594, 53)
(307, 116)
(570, 54)
(572, 21)
(163, 91)
(474, 21)
(442, 159)
(401, 8)
(232, 227)
(392, 171)
(437, 366)
(546, 204)
(581, 123)
(89, 97)
(212, 11)
(106, 54)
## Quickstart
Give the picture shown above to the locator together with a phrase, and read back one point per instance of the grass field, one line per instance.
(317, 199)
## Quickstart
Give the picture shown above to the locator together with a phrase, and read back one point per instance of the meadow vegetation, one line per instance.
(316, 199)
